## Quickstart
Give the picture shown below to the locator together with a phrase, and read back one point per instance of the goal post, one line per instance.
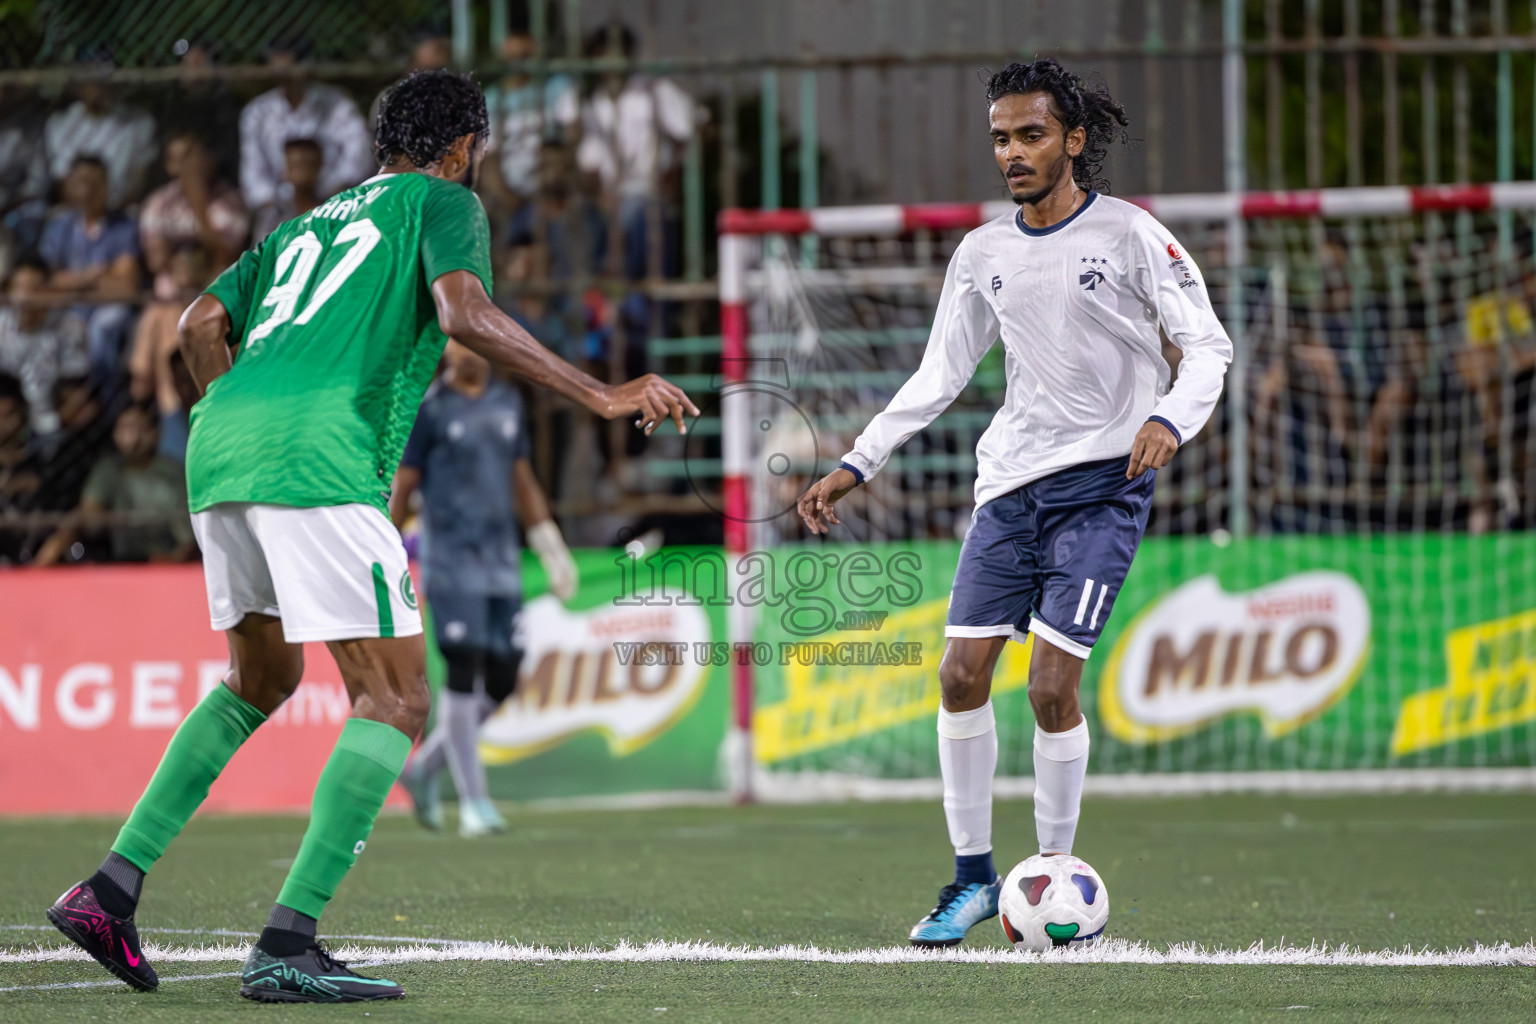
(1378, 615)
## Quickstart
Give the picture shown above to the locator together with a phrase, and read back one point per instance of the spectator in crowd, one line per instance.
(194, 208)
(122, 138)
(1410, 437)
(430, 53)
(197, 99)
(299, 109)
(20, 474)
(40, 343)
(84, 436)
(146, 491)
(20, 470)
(632, 127)
(23, 170)
(24, 178)
(525, 114)
(9, 250)
(1497, 360)
(556, 243)
(92, 251)
(631, 130)
(155, 367)
(301, 192)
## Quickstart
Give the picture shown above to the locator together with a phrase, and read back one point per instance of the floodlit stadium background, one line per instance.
(1340, 575)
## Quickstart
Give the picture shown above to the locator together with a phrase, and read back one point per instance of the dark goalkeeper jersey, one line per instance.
(465, 449)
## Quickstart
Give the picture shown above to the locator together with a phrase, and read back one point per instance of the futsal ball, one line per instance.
(1049, 902)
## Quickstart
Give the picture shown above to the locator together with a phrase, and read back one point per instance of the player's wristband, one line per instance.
(852, 469)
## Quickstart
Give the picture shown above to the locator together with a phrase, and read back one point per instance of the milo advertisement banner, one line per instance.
(602, 706)
(1277, 653)
(1269, 654)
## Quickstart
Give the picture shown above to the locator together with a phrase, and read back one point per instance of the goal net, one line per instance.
(1339, 573)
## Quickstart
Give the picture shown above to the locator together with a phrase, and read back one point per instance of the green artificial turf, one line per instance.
(1439, 871)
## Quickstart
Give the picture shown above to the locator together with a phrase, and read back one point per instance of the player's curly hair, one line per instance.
(422, 114)
(1075, 103)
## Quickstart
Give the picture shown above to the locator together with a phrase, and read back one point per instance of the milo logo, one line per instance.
(580, 673)
(1284, 652)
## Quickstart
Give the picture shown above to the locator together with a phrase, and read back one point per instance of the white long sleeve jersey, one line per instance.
(1078, 306)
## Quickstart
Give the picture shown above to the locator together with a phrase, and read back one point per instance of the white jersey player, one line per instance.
(1078, 286)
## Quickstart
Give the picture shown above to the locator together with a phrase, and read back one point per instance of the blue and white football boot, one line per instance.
(960, 907)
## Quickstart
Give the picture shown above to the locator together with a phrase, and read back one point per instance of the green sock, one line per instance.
(203, 744)
(351, 792)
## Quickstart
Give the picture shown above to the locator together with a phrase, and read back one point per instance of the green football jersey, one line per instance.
(338, 340)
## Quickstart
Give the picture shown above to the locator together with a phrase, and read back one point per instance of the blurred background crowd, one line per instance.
(1388, 366)
(116, 213)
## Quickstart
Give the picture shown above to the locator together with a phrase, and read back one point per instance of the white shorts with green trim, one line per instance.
(338, 572)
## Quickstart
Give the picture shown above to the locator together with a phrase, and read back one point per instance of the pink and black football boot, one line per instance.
(112, 941)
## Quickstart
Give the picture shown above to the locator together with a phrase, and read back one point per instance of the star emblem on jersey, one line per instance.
(1093, 276)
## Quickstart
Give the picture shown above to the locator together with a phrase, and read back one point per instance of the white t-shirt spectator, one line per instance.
(122, 137)
(23, 171)
(522, 119)
(41, 356)
(631, 140)
(326, 115)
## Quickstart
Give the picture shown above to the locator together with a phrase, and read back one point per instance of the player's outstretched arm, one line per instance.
(202, 337)
(468, 315)
(818, 505)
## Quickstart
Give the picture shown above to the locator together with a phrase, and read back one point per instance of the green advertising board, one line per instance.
(1282, 653)
(588, 718)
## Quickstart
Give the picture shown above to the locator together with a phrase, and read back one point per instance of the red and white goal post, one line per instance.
(850, 266)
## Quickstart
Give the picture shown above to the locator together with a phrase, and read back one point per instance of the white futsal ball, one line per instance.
(1053, 901)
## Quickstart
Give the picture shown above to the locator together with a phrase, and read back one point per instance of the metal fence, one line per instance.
(825, 103)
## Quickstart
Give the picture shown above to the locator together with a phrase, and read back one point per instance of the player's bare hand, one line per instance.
(818, 505)
(1154, 447)
(651, 399)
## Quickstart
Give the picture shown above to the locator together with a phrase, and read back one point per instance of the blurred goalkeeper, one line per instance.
(468, 455)
(1079, 286)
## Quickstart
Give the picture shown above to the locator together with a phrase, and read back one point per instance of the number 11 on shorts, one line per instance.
(1082, 604)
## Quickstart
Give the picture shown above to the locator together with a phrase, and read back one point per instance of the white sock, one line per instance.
(461, 718)
(967, 761)
(1061, 762)
(432, 756)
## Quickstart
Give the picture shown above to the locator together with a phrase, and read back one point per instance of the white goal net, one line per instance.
(1339, 572)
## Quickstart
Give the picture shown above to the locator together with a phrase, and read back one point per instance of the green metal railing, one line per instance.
(803, 110)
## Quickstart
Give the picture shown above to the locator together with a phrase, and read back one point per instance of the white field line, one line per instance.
(114, 983)
(1111, 951)
(232, 933)
(833, 787)
(773, 787)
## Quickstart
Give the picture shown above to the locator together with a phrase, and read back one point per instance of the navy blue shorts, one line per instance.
(1049, 558)
(485, 622)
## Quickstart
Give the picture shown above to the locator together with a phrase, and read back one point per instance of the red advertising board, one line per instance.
(97, 668)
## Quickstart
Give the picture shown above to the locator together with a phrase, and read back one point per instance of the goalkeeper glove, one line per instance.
(545, 540)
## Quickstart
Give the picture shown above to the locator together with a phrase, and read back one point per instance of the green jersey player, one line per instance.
(314, 351)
